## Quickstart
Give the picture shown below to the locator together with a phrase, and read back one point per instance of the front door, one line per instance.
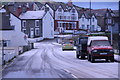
(31, 32)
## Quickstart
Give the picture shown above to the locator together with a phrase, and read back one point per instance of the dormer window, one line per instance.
(82, 18)
(73, 10)
(107, 14)
(60, 9)
(93, 19)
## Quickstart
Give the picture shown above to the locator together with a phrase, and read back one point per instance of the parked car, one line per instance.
(98, 47)
(81, 50)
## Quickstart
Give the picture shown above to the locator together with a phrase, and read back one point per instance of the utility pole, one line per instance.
(119, 28)
(111, 34)
(90, 18)
(3, 52)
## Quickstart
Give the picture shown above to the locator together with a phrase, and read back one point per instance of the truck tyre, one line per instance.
(82, 56)
(92, 59)
(112, 59)
(106, 59)
(77, 56)
(89, 57)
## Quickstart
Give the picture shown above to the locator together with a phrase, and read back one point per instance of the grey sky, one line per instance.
(98, 5)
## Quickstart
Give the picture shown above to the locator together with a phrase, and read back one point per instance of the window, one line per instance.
(87, 26)
(24, 30)
(74, 26)
(73, 17)
(88, 20)
(73, 10)
(109, 21)
(82, 18)
(60, 17)
(24, 24)
(36, 23)
(83, 26)
(60, 9)
(107, 14)
(4, 43)
(92, 28)
(37, 32)
(64, 17)
(93, 19)
(68, 17)
(64, 26)
(60, 24)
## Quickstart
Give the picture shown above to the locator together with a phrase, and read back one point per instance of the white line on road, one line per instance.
(70, 73)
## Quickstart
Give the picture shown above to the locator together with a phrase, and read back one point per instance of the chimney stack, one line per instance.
(70, 3)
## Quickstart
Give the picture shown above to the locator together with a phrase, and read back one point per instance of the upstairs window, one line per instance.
(82, 18)
(24, 24)
(87, 26)
(93, 19)
(36, 23)
(60, 9)
(73, 10)
(109, 21)
(88, 20)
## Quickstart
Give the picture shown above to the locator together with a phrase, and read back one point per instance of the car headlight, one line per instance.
(111, 51)
(94, 51)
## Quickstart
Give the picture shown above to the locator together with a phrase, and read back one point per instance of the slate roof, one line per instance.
(5, 20)
(116, 12)
(22, 6)
(40, 5)
(32, 15)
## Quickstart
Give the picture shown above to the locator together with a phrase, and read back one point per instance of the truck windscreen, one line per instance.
(100, 43)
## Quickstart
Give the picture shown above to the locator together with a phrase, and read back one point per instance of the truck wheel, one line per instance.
(89, 57)
(92, 59)
(112, 59)
(77, 56)
(82, 57)
(106, 59)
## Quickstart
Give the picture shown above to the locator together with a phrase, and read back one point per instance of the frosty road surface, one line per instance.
(48, 60)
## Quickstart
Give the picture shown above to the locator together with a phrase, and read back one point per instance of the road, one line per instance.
(48, 60)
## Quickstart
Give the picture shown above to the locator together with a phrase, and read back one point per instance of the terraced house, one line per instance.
(65, 15)
(69, 17)
(32, 22)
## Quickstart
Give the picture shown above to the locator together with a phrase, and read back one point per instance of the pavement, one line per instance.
(117, 58)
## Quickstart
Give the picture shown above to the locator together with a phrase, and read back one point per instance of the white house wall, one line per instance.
(48, 26)
(67, 14)
(76, 13)
(15, 36)
(57, 13)
(86, 22)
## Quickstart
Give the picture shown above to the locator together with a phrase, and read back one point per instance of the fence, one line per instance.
(9, 54)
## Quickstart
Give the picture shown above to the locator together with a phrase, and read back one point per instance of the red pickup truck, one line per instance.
(98, 47)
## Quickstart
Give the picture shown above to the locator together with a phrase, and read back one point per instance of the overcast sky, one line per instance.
(98, 5)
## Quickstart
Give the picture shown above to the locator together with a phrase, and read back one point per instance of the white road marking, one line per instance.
(70, 73)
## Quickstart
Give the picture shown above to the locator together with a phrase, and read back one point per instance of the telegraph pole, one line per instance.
(119, 28)
(90, 18)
